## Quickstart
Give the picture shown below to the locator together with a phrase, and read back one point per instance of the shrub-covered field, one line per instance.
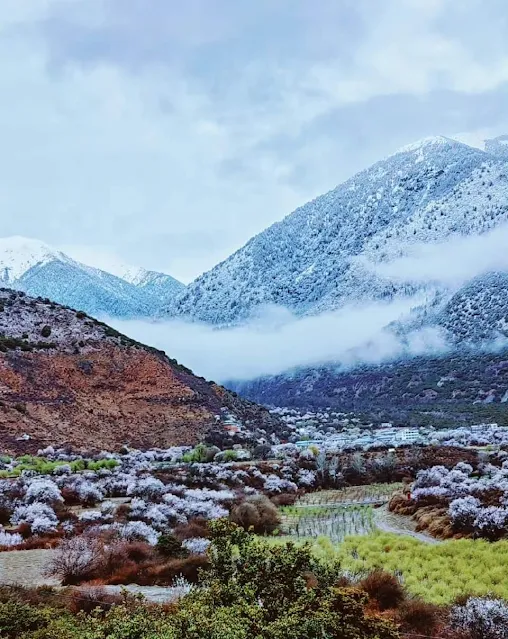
(252, 589)
(436, 573)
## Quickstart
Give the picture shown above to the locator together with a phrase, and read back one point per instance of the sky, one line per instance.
(165, 134)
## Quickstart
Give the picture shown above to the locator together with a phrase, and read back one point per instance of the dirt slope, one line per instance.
(67, 379)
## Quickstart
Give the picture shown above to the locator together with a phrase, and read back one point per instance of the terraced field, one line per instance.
(336, 514)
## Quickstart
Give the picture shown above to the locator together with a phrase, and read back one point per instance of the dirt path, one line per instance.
(400, 525)
(25, 568)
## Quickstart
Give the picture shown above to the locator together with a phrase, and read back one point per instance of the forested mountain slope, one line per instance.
(325, 253)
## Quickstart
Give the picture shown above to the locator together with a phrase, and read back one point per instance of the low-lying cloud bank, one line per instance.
(277, 341)
(452, 262)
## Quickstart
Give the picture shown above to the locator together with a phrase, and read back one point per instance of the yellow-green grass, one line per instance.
(436, 573)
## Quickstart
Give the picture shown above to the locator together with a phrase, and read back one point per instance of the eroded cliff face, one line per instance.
(94, 389)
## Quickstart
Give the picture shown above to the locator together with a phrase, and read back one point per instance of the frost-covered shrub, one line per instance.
(76, 559)
(306, 478)
(430, 477)
(80, 489)
(10, 539)
(159, 516)
(138, 531)
(464, 467)
(432, 492)
(68, 527)
(205, 509)
(43, 490)
(204, 494)
(481, 618)
(492, 522)
(181, 587)
(147, 487)
(464, 511)
(48, 452)
(63, 469)
(92, 516)
(196, 545)
(274, 485)
(40, 517)
(108, 508)
(285, 451)
(116, 484)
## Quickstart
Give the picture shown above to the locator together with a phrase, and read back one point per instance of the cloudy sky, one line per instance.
(166, 133)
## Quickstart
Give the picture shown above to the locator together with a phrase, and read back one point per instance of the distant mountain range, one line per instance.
(329, 253)
(39, 270)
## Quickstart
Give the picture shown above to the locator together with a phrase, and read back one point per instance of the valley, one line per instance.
(368, 498)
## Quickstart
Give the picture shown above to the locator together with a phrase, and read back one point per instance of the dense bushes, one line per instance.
(384, 588)
(106, 559)
(481, 618)
(257, 514)
(467, 502)
(249, 590)
(252, 589)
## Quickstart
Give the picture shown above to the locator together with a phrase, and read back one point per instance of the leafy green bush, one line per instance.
(250, 591)
(169, 546)
(17, 618)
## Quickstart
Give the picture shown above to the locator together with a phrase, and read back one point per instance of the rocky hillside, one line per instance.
(325, 253)
(442, 390)
(66, 378)
(39, 270)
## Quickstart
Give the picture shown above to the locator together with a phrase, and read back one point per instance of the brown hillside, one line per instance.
(81, 383)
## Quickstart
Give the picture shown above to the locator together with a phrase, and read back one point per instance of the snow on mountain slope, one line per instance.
(316, 258)
(37, 269)
(478, 312)
(162, 286)
(19, 254)
(87, 289)
(498, 146)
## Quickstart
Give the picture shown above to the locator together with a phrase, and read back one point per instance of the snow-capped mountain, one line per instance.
(39, 270)
(162, 286)
(325, 253)
(19, 254)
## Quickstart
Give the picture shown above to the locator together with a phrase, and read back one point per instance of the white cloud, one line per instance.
(276, 341)
(451, 262)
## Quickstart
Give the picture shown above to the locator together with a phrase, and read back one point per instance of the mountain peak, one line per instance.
(497, 146)
(19, 254)
(34, 267)
(311, 260)
(429, 143)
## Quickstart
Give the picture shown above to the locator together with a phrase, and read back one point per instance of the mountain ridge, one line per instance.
(39, 270)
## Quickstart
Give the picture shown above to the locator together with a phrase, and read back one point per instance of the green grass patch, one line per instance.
(436, 573)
